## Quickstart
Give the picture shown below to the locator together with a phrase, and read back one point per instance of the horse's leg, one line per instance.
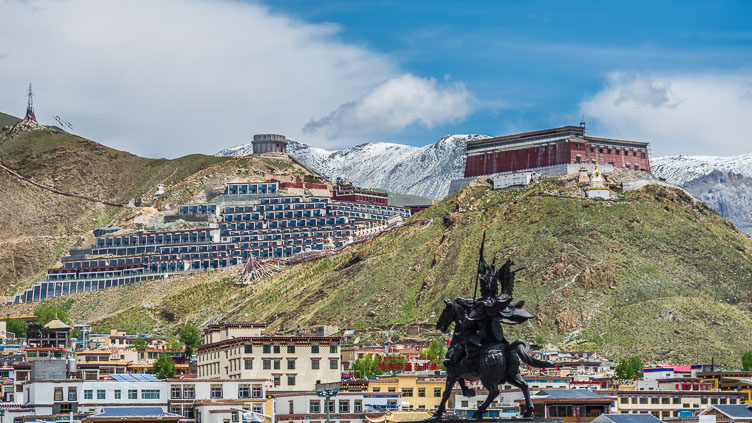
(491, 384)
(450, 380)
(519, 382)
(466, 392)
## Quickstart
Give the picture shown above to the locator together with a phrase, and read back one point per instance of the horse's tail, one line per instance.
(523, 351)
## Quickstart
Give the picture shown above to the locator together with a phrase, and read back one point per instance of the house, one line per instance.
(673, 403)
(570, 405)
(626, 418)
(54, 334)
(418, 392)
(729, 413)
(240, 350)
(302, 407)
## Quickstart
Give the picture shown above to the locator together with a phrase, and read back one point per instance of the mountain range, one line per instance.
(723, 183)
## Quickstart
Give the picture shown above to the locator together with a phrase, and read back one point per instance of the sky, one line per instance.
(174, 77)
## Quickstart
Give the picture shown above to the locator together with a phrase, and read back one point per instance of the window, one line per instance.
(344, 406)
(464, 404)
(59, 394)
(333, 364)
(216, 391)
(176, 392)
(65, 408)
(132, 393)
(290, 380)
(267, 348)
(234, 417)
(72, 394)
(118, 394)
(244, 391)
(256, 391)
(276, 349)
(376, 389)
(654, 400)
(314, 348)
(248, 363)
(290, 364)
(665, 400)
(314, 407)
(732, 400)
(291, 407)
(330, 406)
(357, 406)
(643, 400)
(407, 392)
(248, 348)
(277, 364)
(332, 348)
(315, 363)
(704, 400)
(723, 400)
(421, 392)
(189, 392)
(560, 411)
(150, 394)
(175, 409)
(436, 392)
(392, 389)
(88, 394)
(291, 349)
(277, 380)
(267, 364)
(676, 400)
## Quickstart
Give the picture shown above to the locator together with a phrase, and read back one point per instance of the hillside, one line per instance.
(424, 171)
(6, 120)
(38, 226)
(655, 273)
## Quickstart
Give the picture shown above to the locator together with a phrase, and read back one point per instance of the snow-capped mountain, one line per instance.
(723, 183)
(679, 170)
(424, 171)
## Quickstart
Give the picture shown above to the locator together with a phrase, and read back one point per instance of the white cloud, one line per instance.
(171, 77)
(678, 114)
(394, 105)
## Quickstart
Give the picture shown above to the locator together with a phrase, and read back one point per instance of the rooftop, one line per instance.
(627, 418)
(131, 412)
(734, 410)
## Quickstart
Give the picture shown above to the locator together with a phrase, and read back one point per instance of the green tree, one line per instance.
(173, 344)
(366, 366)
(435, 352)
(16, 326)
(164, 367)
(190, 337)
(76, 333)
(747, 360)
(140, 344)
(630, 369)
(46, 313)
(540, 340)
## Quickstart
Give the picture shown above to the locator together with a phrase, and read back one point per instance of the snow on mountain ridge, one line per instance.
(425, 171)
(681, 169)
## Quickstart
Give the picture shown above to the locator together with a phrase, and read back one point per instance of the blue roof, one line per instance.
(135, 377)
(735, 410)
(570, 394)
(629, 418)
(134, 412)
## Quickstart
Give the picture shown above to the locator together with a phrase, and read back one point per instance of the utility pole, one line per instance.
(327, 391)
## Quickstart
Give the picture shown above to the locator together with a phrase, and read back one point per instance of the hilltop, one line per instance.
(39, 226)
(654, 273)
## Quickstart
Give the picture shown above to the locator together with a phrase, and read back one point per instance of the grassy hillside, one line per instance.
(654, 273)
(38, 226)
(6, 120)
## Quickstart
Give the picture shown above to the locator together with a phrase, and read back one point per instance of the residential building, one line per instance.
(665, 404)
(239, 350)
(418, 392)
(302, 407)
(736, 413)
(570, 405)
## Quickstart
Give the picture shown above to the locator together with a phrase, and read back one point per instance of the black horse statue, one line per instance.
(492, 364)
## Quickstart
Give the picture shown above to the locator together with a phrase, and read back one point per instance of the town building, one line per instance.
(54, 334)
(674, 403)
(568, 145)
(570, 405)
(418, 392)
(239, 350)
(269, 143)
(302, 407)
(739, 413)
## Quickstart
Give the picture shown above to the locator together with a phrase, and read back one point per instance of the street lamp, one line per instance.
(328, 391)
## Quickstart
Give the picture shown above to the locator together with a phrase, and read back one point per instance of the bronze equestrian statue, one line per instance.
(478, 349)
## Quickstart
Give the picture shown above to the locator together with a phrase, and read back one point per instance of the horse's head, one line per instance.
(447, 316)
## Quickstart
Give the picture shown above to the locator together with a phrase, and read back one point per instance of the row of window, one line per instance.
(674, 400)
(102, 394)
(408, 392)
(275, 363)
(314, 406)
(267, 348)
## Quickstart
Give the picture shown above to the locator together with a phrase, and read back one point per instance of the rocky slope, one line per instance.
(598, 273)
(424, 171)
(724, 183)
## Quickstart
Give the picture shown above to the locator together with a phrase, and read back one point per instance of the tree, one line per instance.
(46, 313)
(190, 337)
(435, 352)
(747, 360)
(139, 344)
(16, 326)
(174, 345)
(366, 366)
(630, 369)
(164, 367)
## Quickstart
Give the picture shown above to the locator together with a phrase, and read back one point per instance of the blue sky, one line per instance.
(530, 64)
(168, 78)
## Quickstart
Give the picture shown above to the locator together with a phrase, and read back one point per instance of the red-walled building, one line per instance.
(550, 147)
